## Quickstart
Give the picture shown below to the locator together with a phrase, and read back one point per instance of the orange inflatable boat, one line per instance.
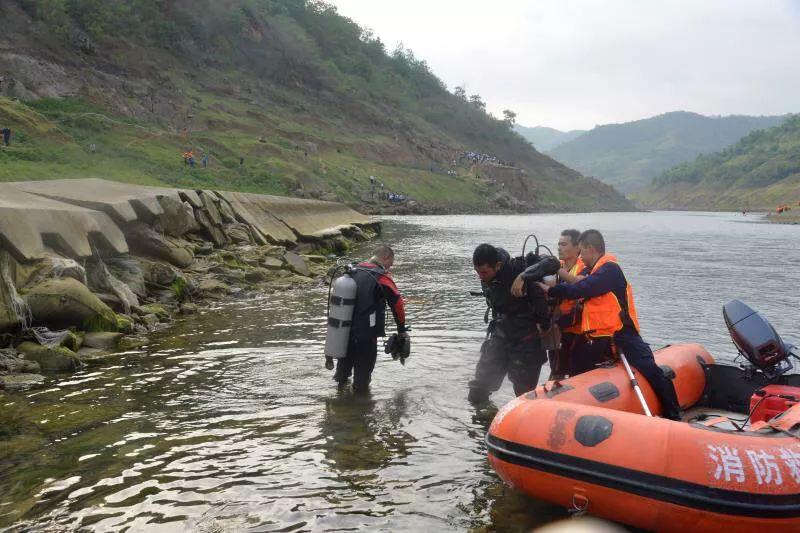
(732, 465)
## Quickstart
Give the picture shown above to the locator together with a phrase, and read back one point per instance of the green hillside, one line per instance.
(761, 171)
(544, 138)
(283, 96)
(630, 155)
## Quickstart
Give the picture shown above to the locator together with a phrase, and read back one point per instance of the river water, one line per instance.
(228, 421)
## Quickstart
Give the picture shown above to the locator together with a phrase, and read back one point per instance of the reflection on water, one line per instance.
(228, 421)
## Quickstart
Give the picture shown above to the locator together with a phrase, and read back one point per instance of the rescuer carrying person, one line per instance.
(609, 315)
(513, 345)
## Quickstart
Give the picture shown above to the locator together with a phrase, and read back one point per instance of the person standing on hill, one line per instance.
(609, 315)
(6, 136)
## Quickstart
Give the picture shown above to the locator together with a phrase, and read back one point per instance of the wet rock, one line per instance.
(203, 248)
(272, 263)
(177, 218)
(213, 288)
(68, 302)
(231, 275)
(158, 274)
(339, 245)
(155, 309)
(96, 356)
(54, 266)
(145, 240)
(10, 302)
(71, 341)
(101, 280)
(57, 359)
(111, 300)
(21, 382)
(150, 320)
(189, 308)
(132, 343)
(125, 324)
(102, 340)
(11, 361)
(129, 271)
(297, 264)
(251, 261)
(314, 258)
(304, 248)
(257, 275)
(355, 233)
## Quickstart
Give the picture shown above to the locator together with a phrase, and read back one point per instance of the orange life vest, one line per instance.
(566, 306)
(602, 316)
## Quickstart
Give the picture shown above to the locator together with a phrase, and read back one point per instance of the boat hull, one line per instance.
(652, 473)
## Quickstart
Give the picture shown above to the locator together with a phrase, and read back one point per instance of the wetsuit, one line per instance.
(513, 346)
(609, 278)
(375, 288)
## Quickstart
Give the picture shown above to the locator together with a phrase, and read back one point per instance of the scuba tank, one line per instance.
(341, 304)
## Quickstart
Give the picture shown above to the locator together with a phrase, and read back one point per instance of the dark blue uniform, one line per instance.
(610, 278)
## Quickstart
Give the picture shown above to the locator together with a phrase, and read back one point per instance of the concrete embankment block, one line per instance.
(312, 218)
(123, 202)
(253, 209)
(30, 224)
(71, 215)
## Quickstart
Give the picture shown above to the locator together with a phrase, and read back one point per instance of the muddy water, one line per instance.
(228, 421)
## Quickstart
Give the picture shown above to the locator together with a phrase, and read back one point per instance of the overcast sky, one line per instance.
(577, 63)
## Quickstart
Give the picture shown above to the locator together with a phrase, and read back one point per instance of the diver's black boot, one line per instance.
(478, 396)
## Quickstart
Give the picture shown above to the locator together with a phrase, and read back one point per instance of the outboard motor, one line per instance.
(756, 339)
(341, 304)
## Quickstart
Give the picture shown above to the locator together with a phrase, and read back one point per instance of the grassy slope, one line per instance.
(296, 90)
(630, 155)
(759, 172)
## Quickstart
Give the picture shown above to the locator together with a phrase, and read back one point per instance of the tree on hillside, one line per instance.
(509, 117)
(460, 93)
(477, 101)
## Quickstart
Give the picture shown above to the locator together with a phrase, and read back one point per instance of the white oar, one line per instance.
(635, 383)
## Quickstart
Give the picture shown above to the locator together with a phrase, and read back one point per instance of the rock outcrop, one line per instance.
(66, 302)
(83, 262)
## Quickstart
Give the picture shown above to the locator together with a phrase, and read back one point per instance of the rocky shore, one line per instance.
(784, 218)
(65, 304)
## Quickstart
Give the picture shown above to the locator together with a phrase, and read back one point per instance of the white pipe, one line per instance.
(635, 384)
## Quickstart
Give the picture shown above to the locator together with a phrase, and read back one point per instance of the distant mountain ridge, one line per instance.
(631, 154)
(544, 138)
(759, 172)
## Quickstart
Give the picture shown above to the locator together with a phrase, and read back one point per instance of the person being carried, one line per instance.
(609, 315)
(374, 289)
(513, 345)
(566, 359)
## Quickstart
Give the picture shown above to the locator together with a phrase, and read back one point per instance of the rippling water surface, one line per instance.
(228, 421)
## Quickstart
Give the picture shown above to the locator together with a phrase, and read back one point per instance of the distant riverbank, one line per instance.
(784, 218)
